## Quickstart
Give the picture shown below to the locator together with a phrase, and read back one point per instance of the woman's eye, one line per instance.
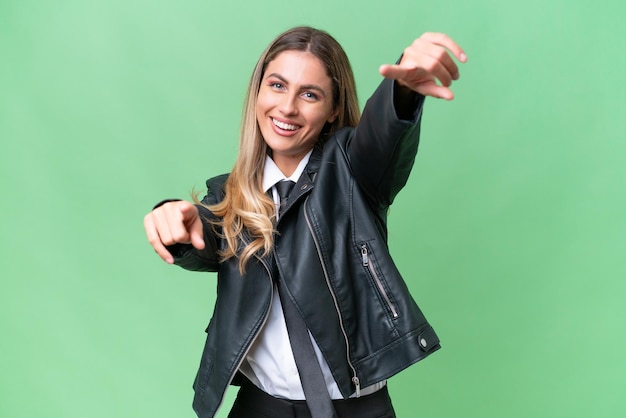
(276, 85)
(310, 95)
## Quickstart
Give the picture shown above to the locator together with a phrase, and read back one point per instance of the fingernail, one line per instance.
(463, 57)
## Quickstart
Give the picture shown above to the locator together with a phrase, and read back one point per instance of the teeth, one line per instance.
(285, 126)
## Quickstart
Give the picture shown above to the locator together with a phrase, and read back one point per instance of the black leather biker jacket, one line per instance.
(332, 252)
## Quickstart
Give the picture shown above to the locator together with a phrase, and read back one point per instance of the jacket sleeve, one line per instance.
(190, 258)
(207, 259)
(383, 146)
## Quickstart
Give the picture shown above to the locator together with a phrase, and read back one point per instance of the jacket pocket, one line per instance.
(368, 260)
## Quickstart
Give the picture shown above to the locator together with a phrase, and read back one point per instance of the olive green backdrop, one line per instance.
(511, 232)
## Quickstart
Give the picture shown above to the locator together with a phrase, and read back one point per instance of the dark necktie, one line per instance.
(283, 188)
(311, 377)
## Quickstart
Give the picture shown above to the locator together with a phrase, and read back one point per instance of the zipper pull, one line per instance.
(357, 383)
(364, 255)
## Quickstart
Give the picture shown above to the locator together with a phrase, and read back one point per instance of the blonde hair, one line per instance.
(246, 207)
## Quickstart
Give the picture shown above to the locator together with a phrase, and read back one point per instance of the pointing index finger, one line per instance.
(393, 71)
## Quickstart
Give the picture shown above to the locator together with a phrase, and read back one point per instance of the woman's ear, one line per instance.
(333, 116)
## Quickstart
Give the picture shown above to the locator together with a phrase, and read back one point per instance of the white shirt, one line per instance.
(269, 363)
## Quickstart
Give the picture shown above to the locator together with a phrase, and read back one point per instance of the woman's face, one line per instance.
(294, 103)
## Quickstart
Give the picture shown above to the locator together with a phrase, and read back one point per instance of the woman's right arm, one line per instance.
(179, 235)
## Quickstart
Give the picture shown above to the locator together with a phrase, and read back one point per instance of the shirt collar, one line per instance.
(272, 174)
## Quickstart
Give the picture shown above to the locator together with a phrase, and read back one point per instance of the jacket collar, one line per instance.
(306, 182)
(314, 161)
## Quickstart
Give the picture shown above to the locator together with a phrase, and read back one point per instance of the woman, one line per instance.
(316, 259)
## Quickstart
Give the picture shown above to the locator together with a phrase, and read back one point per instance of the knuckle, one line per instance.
(417, 44)
(438, 36)
(168, 241)
(431, 66)
(441, 54)
(155, 242)
(156, 214)
(178, 237)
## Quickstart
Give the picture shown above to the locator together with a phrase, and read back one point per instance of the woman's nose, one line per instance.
(288, 105)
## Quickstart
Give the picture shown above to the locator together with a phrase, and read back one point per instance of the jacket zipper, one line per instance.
(355, 378)
(367, 263)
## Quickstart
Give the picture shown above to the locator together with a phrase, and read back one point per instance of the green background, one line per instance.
(511, 231)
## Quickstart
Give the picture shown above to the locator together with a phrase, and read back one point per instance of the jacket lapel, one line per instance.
(306, 182)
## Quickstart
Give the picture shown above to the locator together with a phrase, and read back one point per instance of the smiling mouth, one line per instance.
(285, 126)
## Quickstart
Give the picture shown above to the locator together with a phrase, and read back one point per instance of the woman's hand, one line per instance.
(428, 60)
(173, 223)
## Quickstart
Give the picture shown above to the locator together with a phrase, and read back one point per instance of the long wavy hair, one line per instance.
(246, 207)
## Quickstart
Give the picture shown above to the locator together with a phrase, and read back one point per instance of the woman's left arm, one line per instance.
(383, 147)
